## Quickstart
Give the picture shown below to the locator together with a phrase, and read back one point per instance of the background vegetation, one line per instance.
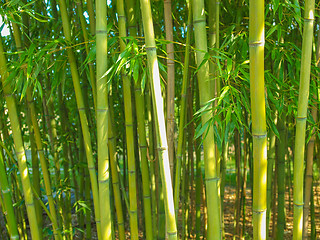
(146, 120)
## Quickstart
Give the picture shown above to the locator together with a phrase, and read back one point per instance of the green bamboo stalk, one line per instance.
(130, 135)
(86, 43)
(205, 94)
(140, 106)
(7, 202)
(152, 169)
(83, 117)
(35, 167)
(170, 82)
(298, 169)
(43, 162)
(102, 118)
(115, 177)
(19, 148)
(270, 171)
(259, 131)
(310, 153)
(281, 145)
(159, 118)
(182, 113)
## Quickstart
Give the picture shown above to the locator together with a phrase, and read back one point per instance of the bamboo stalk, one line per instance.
(19, 148)
(259, 131)
(7, 202)
(83, 117)
(301, 118)
(102, 119)
(206, 94)
(159, 118)
(170, 82)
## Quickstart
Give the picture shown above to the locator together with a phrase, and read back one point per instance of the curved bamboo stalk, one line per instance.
(19, 148)
(298, 168)
(259, 131)
(159, 118)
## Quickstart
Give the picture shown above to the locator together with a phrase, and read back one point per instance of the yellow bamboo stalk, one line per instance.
(259, 131)
(19, 148)
(298, 168)
(159, 118)
(102, 118)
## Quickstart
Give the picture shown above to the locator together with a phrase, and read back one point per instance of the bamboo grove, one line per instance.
(159, 119)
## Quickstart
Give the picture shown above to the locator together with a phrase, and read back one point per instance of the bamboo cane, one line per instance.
(83, 117)
(102, 119)
(159, 118)
(259, 131)
(298, 168)
(205, 94)
(170, 82)
(19, 148)
(7, 202)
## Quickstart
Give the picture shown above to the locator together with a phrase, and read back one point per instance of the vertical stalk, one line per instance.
(205, 94)
(301, 118)
(259, 131)
(170, 81)
(159, 118)
(102, 119)
(7, 202)
(83, 117)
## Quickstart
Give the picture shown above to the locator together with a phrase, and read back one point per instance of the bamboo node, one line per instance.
(101, 32)
(298, 205)
(146, 197)
(29, 204)
(132, 172)
(259, 211)
(199, 21)
(162, 148)
(215, 179)
(104, 181)
(257, 44)
(102, 110)
(259, 135)
(143, 146)
(308, 19)
(301, 118)
(151, 48)
(172, 233)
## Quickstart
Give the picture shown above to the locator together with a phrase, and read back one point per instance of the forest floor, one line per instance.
(247, 232)
(229, 216)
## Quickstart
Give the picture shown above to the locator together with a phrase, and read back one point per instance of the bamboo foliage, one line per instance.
(66, 48)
